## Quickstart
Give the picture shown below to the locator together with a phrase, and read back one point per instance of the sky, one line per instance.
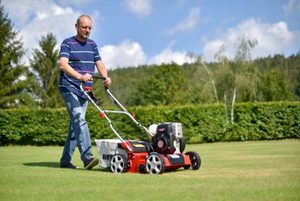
(145, 32)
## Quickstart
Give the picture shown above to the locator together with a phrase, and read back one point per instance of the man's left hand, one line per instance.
(107, 81)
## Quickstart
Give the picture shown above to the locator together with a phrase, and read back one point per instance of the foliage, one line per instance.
(124, 83)
(46, 72)
(166, 85)
(13, 86)
(274, 85)
(201, 123)
(38, 127)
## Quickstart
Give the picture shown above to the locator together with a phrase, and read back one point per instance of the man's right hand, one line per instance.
(86, 77)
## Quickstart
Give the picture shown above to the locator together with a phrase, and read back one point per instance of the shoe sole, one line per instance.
(92, 164)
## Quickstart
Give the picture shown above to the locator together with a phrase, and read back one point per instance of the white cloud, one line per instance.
(35, 19)
(22, 13)
(46, 22)
(125, 54)
(139, 7)
(131, 54)
(188, 23)
(169, 56)
(211, 48)
(272, 39)
(54, 11)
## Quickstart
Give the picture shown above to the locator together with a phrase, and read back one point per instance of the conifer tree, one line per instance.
(14, 87)
(45, 70)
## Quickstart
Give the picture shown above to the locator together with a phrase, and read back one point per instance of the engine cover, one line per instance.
(165, 141)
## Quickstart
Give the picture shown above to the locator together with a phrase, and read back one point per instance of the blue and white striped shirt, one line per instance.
(82, 58)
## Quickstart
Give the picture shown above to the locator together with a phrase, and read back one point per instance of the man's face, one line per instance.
(84, 28)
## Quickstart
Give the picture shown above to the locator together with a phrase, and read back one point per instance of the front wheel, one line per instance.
(155, 164)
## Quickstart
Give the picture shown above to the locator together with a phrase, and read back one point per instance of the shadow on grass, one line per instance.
(57, 165)
(43, 164)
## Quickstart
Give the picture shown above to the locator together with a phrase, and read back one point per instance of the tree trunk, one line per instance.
(212, 82)
(232, 105)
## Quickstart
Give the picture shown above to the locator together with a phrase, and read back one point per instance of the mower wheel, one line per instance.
(195, 160)
(119, 164)
(155, 163)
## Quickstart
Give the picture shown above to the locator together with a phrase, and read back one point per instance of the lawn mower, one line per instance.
(163, 153)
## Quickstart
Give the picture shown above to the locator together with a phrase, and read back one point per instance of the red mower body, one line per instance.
(140, 159)
(137, 155)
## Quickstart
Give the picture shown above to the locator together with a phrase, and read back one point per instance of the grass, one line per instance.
(261, 171)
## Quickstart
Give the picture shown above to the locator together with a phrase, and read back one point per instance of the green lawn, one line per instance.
(260, 171)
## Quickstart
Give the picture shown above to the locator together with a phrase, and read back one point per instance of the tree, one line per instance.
(244, 72)
(46, 72)
(200, 81)
(14, 91)
(167, 85)
(274, 86)
(201, 84)
(236, 76)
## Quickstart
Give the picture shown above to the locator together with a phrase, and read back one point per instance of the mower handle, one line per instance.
(94, 77)
(99, 77)
(122, 108)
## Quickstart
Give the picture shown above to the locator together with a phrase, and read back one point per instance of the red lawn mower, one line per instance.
(163, 153)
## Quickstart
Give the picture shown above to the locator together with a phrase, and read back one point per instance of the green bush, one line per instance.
(201, 123)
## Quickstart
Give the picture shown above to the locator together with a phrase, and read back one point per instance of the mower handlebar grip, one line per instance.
(99, 77)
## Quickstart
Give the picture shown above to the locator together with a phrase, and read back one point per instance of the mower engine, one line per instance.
(167, 138)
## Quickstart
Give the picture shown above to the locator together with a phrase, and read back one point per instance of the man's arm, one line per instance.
(64, 66)
(103, 71)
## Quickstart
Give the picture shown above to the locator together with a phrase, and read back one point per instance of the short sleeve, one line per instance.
(64, 50)
(97, 55)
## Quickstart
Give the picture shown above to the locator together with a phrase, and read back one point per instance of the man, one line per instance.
(78, 57)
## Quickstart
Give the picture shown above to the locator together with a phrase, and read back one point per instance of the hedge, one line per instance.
(201, 123)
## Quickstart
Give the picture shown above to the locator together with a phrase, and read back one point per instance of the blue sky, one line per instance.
(137, 32)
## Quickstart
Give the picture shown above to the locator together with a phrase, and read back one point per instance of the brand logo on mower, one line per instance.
(107, 157)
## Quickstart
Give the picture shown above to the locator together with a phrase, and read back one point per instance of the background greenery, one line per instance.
(261, 170)
(201, 123)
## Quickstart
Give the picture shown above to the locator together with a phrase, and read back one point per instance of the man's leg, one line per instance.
(77, 107)
(81, 130)
(69, 148)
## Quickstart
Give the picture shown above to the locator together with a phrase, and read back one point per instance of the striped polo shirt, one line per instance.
(82, 58)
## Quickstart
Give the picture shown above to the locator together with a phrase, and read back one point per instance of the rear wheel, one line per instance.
(195, 160)
(155, 164)
(119, 163)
